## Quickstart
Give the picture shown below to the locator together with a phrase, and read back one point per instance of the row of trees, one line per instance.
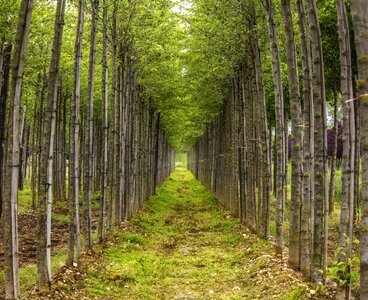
(161, 64)
(73, 149)
(234, 159)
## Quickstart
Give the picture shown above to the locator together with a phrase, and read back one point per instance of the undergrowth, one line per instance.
(181, 246)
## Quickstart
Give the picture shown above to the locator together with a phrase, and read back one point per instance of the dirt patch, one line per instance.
(27, 224)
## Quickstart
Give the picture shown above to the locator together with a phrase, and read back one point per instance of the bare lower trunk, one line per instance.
(296, 153)
(46, 157)
(75, 219)
(348, 163)
(280, 130)
(359, 9)
(89, 136)
(331, 198)
(4, 86)
(308, 143)
(105, 129)
(12, 169)
(320, 147)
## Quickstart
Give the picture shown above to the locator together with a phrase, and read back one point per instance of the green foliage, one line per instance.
(187, 54)
(345, 273)
(8, 18)
(298, 293)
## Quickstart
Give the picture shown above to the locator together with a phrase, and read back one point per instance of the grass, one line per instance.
(25, 199)
(181, 246)
(28, 274)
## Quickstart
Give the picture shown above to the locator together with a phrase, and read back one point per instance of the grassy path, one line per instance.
(181, 246)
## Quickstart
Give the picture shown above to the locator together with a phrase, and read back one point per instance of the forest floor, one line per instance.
(181, 246)
(27, 228)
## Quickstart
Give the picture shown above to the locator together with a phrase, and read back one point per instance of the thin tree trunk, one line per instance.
(280, 130)
(4, 86)
(46, 157)
(35, 137)
(89, 136)
(122, 101)
(348, 185)
(357, 160)
(105, 127)
(320, 225)
(308, 143)
(359, 9)
(75, 107)
(113, 154)
(331, 195)
(23, 148)
(11, 261)
(266, 156)
(296, 142)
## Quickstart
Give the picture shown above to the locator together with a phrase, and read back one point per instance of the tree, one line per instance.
(280, 130)
(320, 216)
(89, 136)
(12, 169)
(296, 133)
(348, 164)
(359, 10)
(75, 118)
(308, 142)
(5, 58)
(45, 194)
(105, 126)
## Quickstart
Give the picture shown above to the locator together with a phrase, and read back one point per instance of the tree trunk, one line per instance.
(266, 156)
(308, 143)
(105, 128)
(280, 130)
(23, 139)
(89, 136)
(320, 230)
(11, 261)
(46, 157)
(122, 109)
(359, 9)
(331, 195)
(75, 113)
(348, 165)
(4, 86)
(113, 162)
(296, 142)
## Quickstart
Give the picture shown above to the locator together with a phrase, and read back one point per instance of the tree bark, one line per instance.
(89, 136)
(306, 217)
(348, 164)
(320, 202)
(359, 9)
(46, 157)
(105, 127)
(4, 86)
(331, 195)
(280, 130)
(296, 142)
(23, 139)
(11, 252)
(75, 113)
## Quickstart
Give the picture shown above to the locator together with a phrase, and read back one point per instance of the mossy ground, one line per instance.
(181, 246)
